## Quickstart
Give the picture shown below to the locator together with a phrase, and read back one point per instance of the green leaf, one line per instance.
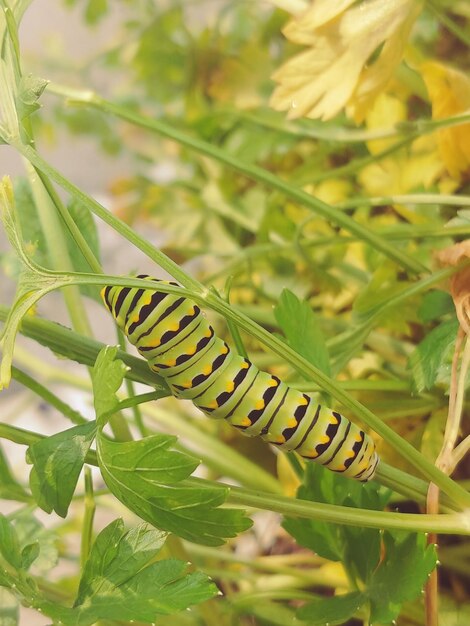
(434, 305)
(145, 476)
(29, 554)
(108, 374)
(401, 576)
(30, 531)
(9, 613)
(58, 461)
(9, 544)
(120, 581)
(302, 330)
(430, 354)
(30, 90)
(335, 610)
(358, 548)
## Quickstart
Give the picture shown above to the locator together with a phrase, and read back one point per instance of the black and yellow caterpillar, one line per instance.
(174, 336)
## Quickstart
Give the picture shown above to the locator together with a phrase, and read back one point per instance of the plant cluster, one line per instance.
(321, 218)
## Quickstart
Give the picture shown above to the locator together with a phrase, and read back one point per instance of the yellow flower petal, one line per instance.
(332, 73)
(449, 91)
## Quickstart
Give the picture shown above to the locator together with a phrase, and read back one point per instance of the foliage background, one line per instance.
(201, 68)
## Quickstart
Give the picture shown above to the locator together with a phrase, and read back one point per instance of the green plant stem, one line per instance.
(455, 523)
(252, 171)
(418, 198)
(317, 130)
(88, 517)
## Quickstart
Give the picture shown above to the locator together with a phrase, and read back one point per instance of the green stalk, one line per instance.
(412, 198)
(88, 517)
(455, 523)
(252, 171)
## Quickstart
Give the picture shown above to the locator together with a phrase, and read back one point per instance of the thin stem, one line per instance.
(413, 198)
(453, 423)
(88, 517)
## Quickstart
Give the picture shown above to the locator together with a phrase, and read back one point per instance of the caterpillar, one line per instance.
(175, 337)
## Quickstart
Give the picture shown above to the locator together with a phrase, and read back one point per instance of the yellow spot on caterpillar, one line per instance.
(191, 350)
(292, 422)
(174, 327)
(244, 365)
(273, 383)
(188, 384)
(230, 386)
(224, 349)
(208, 332)
(245, 422)
(148, 346)
(358, 438)
(334, 420)
(207, 370)
(259, 405)
(102, 292)
(133, 320)
(341, 468)
(212, 404)
(311, 455)
(192, 310)
(303, 401)
(280, 439)
(147, 299)
(350, 454)
(171, 363)
(323, 439)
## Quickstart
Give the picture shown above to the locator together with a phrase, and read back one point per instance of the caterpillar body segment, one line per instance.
(172, 333)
